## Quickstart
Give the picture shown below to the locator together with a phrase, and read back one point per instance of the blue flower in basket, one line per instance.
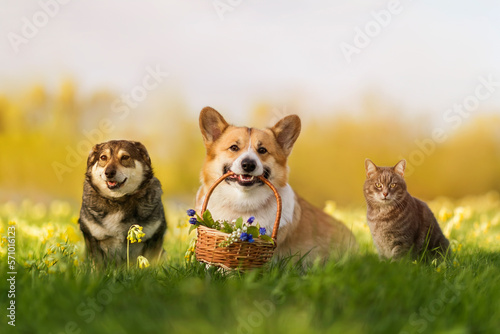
(262, 230)
(250, 238)
(251, 220)
(244, 236)
(191, 212)
(193, 221)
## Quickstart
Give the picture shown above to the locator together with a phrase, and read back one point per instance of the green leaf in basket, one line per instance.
(192, 228)
(267, 238)
(253, 230)
(239, 223)
(227, 228)
(208, 219)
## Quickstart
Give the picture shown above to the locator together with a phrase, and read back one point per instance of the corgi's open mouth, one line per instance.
(246, 180)
(115, 184)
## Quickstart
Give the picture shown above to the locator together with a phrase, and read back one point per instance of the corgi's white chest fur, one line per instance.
(228, 203)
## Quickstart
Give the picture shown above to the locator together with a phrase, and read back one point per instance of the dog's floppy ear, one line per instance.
(287, 131)
(212, 125)
(370, 168)
(143, 151)
(94, 155)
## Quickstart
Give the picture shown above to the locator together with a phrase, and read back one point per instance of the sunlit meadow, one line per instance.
(46, 137)
(59, 292)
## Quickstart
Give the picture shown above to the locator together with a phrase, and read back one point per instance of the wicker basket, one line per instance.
(241, 255)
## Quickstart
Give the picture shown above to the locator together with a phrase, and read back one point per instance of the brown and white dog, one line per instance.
(249, 152)
(119, 191)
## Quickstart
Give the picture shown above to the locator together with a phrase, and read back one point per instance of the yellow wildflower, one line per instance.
(71, 235)
(135, 233)
(444, 214)
(142, 262)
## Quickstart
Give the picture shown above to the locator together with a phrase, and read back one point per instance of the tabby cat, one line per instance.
(399, 223)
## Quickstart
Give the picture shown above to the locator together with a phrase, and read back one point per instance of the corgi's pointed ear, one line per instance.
(212, 125)
(370, 168)
(400, 167)
(287, 131)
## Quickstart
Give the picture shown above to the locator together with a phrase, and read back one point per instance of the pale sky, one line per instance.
(426, 58)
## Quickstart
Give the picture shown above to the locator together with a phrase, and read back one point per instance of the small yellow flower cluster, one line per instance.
(70, 235)
(481, 228)
(189, 253)
(142, 262)
(50, 263)
(3, 241)
(460, 213)
(191, 250)
(48, 232)
(3, 237)
(135, 233)
(444, 214)
(456, 248)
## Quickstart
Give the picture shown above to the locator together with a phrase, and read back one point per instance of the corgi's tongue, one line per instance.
(112, 183)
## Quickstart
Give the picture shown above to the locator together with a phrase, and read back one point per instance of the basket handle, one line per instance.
(263, 179)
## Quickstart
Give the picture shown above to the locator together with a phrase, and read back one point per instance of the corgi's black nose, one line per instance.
(248, 165)
(110, 173)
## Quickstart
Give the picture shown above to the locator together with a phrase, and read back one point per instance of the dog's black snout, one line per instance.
(248, 165)
(110, 172)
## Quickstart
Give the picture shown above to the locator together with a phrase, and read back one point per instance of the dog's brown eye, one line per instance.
(262, 150)
(103, 157)
(125, 157)
(234, 148)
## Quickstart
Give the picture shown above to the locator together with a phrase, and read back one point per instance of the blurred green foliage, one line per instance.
(45, 138)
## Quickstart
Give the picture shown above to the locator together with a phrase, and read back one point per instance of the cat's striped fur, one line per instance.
(399, 223)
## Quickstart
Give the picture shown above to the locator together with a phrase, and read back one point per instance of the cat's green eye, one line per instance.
(393, 185)
(378, 185)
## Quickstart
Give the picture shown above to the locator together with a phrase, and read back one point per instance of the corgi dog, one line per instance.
(304, 230)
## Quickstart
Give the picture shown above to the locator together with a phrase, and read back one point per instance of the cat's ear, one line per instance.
(370, 168)
(400, 167)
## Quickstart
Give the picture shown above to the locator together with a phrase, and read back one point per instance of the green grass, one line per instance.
(356, 294)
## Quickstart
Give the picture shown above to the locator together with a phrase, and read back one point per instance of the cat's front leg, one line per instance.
(399, 251)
